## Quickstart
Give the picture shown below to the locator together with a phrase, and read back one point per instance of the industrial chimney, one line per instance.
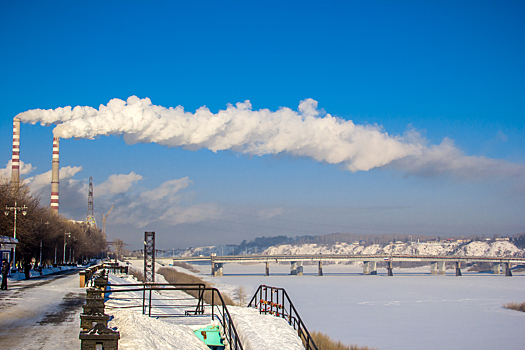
(15, 160)
(54, 175)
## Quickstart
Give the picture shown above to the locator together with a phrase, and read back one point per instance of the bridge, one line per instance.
(437, 263)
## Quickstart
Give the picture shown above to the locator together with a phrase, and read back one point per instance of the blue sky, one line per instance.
(447, 70)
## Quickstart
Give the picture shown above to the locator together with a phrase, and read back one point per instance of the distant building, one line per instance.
(506, 239)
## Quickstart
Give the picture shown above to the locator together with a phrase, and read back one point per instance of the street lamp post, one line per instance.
(40, 261)
(15, 210)
(66, 234)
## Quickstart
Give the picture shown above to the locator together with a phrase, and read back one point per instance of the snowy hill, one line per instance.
(477, 248)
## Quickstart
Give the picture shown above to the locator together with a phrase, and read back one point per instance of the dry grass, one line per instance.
(186, 266)
(324, 342)
(515, 306)
(136, 273)
(173, 276)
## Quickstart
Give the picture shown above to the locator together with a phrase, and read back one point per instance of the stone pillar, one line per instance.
(373, 267)
(212, 268)
(497, 268)
(366, 267)
(441, 267)
(267, 268)
(433, 268)
(508, 273)
(320, 268)
(293, 268)
(99, 337)
(458, 268)
(82, 275)
(299, 268)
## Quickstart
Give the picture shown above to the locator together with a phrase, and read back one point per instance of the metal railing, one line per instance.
(150, 306)
(275, 301)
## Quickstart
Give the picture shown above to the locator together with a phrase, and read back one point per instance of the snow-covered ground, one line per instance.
(257, 332)
(477, 248)
(41, 313)
(411, 310)
(17, 276)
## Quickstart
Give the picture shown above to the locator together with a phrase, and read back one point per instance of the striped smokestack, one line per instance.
(54, 175)
(15, 161)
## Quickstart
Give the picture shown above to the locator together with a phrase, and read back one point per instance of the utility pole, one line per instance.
(15, 209)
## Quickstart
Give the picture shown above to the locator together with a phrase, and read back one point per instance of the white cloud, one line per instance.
(162, 203)
(38, 182)
(24, 169)
(269, 213)
(117, 183)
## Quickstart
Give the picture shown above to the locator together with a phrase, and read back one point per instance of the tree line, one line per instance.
(42, 231)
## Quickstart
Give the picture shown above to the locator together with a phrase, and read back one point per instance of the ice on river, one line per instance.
(411, 310)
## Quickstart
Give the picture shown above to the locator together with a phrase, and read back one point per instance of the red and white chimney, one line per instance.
(15, 160)
(54, 175)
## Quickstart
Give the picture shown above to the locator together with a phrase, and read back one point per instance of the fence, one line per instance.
(156, 307)
(275, 301)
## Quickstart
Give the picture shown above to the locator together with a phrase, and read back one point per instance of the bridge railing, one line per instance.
(275, 301)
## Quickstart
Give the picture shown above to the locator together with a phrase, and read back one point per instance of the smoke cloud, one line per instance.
(301, 133)
(306, 132)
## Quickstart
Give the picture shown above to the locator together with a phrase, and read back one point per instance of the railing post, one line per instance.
(144, 299)
(149, 306)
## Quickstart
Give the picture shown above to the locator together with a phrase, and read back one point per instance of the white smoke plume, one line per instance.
(238, 128)
(304, 133)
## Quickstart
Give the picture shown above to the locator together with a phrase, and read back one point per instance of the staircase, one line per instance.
(275, 301)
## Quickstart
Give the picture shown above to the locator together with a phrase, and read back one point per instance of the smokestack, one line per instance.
(15, 161)
(54, 175)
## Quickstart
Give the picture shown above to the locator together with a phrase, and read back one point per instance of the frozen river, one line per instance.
(411, 310)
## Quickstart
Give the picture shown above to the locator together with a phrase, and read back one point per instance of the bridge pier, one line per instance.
(267, 268)
(373, 267)
(497, 268)
(366, 267)
(433, 268)
(320, 268)
(508, 273)
(441, 267)
(299, 268)
(293, 268)
(458, 268)
(217, 269)
(390, 268)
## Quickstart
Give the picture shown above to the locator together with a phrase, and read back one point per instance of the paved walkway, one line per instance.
(42, 313)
